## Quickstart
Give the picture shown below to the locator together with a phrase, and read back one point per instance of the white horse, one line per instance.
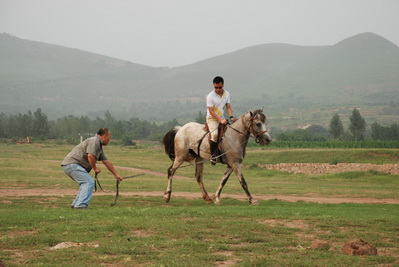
(190, 143)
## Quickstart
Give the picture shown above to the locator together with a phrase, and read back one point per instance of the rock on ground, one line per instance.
(359, 247)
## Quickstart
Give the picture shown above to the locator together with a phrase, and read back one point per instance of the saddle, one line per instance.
(221, 130)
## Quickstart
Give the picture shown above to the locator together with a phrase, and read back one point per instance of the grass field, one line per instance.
(187, 232)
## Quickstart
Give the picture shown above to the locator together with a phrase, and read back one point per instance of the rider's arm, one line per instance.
(229, 110)
(216, 116)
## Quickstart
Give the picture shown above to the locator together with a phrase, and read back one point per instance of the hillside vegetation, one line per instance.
(297, 85)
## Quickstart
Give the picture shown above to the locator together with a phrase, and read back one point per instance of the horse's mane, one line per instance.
(258, 112)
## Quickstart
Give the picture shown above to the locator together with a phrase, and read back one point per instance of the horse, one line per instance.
(189, 143)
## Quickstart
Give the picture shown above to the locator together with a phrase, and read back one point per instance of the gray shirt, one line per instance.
(79, 154)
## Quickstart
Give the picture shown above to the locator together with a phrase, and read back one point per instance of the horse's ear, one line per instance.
(250, 113)
(261, 110)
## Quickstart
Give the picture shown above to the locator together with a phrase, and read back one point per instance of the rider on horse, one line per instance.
(216, 102)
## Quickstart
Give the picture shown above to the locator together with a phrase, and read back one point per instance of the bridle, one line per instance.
(256, 135)
(251, 130)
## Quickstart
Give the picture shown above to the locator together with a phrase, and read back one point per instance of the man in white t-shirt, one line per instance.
(216, 102)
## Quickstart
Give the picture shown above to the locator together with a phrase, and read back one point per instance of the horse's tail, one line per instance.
(169, 142)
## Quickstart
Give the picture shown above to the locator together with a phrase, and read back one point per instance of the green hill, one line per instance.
(353, 71)
(292, 82)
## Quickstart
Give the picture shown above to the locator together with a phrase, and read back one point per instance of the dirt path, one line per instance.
(191, 195)
(308, 168)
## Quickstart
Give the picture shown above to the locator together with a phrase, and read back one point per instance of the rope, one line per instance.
(117, 187)
(97, 181)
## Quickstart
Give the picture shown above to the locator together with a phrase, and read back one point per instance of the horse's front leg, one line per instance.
(171, 171)
(199, 167)
(226, 176)
(240, 176)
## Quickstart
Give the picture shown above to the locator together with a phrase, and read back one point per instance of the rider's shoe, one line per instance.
(213, 147)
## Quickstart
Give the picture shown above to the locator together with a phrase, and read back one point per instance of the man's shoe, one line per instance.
(79, 208)
(213, 160)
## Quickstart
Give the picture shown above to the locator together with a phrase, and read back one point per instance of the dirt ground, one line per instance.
(306, 168)
(317, 168)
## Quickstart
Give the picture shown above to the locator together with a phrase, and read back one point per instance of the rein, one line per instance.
(97, 181)
(249, 129)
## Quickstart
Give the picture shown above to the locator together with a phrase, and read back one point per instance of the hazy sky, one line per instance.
(179, 32)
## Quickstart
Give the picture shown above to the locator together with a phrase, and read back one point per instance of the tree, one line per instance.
(318, 132)
(118, 131)
(357, 125)
(109, 120)
(395, 131)
(26, 123)
(41, 127)
(201, 118)
(336, 127)
(2, 125)
(379, 132)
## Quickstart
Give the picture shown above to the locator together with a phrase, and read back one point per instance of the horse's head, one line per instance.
(258, 127)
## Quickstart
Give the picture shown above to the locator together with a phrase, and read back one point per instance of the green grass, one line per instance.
(188, 232)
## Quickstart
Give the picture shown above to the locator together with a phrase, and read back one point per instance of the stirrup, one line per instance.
(213, 160)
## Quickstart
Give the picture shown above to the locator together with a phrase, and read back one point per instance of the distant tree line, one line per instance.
(22, 125)
(336, 131)
(37, 126)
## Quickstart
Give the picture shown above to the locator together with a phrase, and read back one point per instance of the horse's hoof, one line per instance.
(166, 198)
(254, 202)
(217, 202)
(209, 201)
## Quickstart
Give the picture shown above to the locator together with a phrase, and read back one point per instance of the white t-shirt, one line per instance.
(213, 100)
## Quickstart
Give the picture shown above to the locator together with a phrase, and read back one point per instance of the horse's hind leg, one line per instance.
(222, 183)
(168, 191)
(198, 175)
(171, 171)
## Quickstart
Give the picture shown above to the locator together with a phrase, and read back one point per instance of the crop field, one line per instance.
(37, 226)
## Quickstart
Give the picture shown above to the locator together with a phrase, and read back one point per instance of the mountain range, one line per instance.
(296, 84)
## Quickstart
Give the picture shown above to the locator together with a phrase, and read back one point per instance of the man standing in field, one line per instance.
(216, 102)
(79, 162)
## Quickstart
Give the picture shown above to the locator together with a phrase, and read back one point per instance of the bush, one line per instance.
(127, 141)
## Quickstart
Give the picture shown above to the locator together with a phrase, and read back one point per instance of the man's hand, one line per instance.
(97, 170)
(118, 177)
(223, 121)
